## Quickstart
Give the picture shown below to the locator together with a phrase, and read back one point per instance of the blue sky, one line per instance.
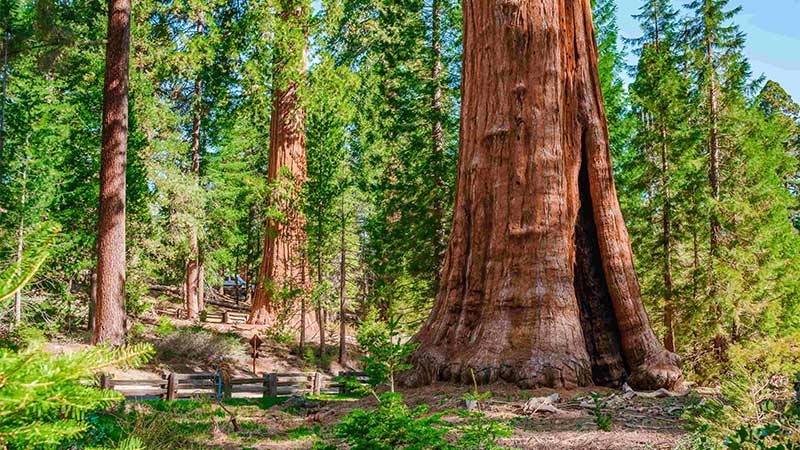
(773, 37)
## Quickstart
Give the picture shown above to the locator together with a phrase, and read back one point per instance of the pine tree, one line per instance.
(404, 140)
(111, 315)
(663, 152)
(610, 65)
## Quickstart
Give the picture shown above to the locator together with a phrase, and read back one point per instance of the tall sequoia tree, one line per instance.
(538, 286)
(283, 274)
(110, 314)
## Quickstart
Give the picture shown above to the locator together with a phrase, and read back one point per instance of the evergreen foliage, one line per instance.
(44, 398)
(715, 254)
(393, 425)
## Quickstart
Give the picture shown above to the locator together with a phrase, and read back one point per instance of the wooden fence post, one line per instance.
(270, 385)
(105, 382)
(171, 386)
(316, 387)
(225, 318)
(227, 387)
(273, 385)
(342, 382)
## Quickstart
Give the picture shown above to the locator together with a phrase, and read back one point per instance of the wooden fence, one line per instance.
(225, 317)
(174, 386)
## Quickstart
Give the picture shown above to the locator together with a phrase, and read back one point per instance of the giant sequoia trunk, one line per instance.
(538, 286)
(110, 311)
(284, 268)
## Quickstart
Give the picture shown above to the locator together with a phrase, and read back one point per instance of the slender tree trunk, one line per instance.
(192, 264)
(437, 134)
(666, 215)
(320, 309)
(6, 42)
(111, 316)
(21, 241)
(695, 264)
(304, 295)
(236, 288)
(201, 283)
(284, 263)
(713, 148)
(669, 307)
(92, 300)
(343, 287)
(538, 286)
(18, 294)
(191, 281)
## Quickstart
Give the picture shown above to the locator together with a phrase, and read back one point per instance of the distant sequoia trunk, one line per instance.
(538, 286)
(284, 268)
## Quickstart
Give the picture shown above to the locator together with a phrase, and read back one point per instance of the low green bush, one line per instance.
(756, 408)
(165, 326)
(393, 425)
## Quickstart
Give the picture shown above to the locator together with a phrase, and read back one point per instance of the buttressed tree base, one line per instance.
(538, 286)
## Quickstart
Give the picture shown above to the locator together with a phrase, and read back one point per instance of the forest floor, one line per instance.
(634, 422)
(296, 423)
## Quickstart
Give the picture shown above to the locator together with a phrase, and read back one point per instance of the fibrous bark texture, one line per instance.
(110, 314)
(284, 268)
(538, 286)
(285, 265)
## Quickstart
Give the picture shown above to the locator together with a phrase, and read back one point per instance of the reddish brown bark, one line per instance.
(110, 313)
(538, 286)
(192, 264)
(285, 266)
(343, 287)
(201, 283)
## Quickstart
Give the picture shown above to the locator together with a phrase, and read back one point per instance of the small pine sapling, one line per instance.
(386, 352)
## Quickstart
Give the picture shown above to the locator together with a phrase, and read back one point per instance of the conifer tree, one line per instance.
(663, 148)
(111, 262)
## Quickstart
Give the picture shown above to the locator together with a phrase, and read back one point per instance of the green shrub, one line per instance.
(781, 434)
(393, 425)
(386, 352)
(165, 326)
(197, 345)
(756, 394)
(136, 332)
(136, 300)
(280, 337)
(603, 420)
(309, 358)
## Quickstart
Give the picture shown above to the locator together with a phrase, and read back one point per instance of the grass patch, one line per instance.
(335, 397)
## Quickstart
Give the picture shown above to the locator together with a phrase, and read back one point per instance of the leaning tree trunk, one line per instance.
(110, 314)
(538, 286)
(284, 265)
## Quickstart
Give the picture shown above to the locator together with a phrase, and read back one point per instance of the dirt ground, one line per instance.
(636, 422)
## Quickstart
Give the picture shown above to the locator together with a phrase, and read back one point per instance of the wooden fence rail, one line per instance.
(225, 317)
(173, 386)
